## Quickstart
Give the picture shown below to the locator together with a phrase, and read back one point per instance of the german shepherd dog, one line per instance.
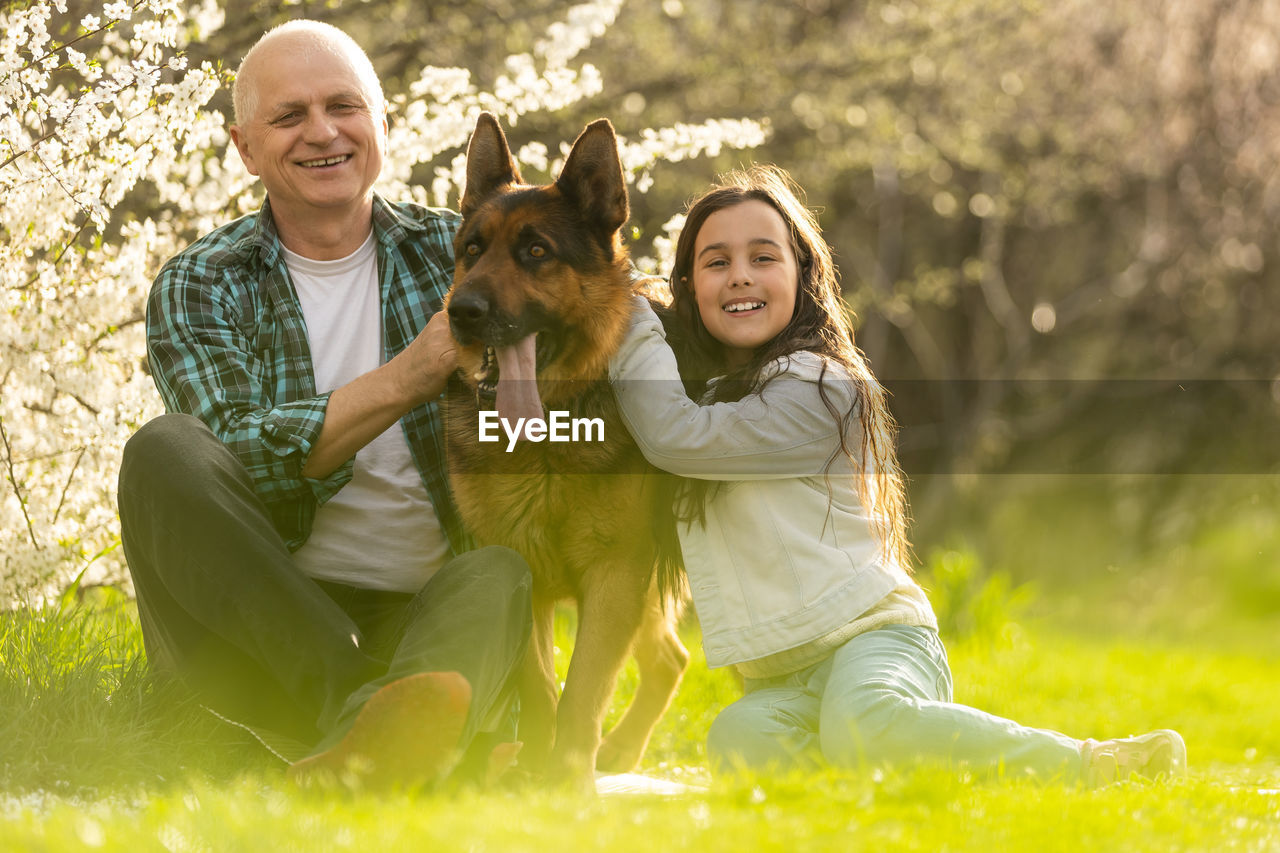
(541, 299)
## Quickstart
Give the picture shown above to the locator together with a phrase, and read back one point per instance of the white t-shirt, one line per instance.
(380, 531)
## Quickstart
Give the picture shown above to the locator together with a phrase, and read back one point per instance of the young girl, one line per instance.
(793, 525)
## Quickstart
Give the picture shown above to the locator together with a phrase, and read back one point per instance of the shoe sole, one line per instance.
(407, 733)
(1105, 769)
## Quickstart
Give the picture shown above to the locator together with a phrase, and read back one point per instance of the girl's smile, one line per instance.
(744, 277)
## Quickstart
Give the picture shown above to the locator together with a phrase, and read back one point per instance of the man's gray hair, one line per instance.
(317, 36)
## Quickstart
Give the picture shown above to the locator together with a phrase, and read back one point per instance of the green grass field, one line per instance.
(95, 754)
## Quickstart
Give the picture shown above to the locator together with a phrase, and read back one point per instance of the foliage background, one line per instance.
(1053, 220)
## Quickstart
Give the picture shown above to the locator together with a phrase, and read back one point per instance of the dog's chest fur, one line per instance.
(555, 503)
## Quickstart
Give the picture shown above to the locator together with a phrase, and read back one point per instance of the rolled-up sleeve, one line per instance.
(785, 430)
(205, 364)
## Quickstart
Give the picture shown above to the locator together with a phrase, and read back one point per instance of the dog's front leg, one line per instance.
(609, 614)
(538, 689)
(662, 659)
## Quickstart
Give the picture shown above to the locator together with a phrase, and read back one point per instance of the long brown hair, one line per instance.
(821, 324)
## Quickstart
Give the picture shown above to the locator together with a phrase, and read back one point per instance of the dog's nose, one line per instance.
(467, 312)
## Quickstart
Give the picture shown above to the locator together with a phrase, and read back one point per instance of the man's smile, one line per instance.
(325, 161)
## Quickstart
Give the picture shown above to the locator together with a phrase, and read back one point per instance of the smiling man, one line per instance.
(295, 551)
(311, 123)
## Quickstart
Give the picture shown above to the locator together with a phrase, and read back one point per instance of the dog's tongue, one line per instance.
(518, 382)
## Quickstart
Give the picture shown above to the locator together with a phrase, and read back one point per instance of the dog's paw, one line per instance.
(572, 772)
(615, 757)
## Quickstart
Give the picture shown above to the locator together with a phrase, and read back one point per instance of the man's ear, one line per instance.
(490, 165)
(242, 145)
(592, 178)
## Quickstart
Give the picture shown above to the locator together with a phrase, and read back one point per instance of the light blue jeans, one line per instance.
(884, 697)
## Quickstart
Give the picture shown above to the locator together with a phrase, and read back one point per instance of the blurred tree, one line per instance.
(1057, 215)
(1017, 191)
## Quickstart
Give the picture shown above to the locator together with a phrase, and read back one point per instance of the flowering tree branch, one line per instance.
(12, 476)
(128, 162)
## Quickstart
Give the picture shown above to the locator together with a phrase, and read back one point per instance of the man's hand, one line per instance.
(424, 366)
(365, 407)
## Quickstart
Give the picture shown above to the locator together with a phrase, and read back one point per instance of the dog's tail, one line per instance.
(672, 584)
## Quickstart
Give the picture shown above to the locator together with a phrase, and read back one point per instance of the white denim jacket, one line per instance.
(782, 560)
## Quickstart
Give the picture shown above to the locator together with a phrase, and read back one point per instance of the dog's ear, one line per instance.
(489, 163)
(592, 177)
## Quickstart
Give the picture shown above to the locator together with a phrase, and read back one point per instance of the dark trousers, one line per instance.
(222, 604)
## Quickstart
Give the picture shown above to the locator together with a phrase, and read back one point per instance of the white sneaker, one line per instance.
(1158, 753)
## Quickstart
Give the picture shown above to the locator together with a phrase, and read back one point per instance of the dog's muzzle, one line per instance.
(468, 314)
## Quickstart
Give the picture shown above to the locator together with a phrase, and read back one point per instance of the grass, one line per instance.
(917, 811)
(109, 773)
(97, 754)
(1219, 808)
(82, 714)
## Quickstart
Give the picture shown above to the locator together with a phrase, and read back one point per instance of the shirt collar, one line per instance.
(390, 225)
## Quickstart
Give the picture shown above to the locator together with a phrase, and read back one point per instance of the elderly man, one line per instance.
(288, 524)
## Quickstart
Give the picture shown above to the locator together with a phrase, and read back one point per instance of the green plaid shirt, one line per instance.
(227, 343)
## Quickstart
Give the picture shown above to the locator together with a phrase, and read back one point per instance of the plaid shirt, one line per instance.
(227, 343)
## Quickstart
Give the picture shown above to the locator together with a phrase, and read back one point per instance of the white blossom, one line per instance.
(534, 155)
(120, 11)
